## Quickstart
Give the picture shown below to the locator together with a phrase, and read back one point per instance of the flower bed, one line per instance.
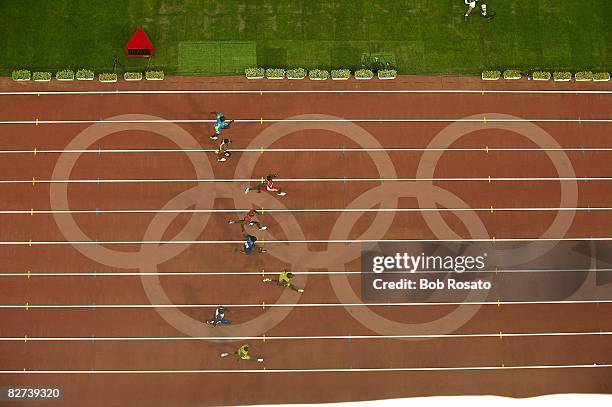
(340, 74)
(512, 74)
(154, 75)
(318, 75)
(541, 76)
(41, 76)
(85, 75)
(364, 74)
(275, 73)
(65, 75)
(255, 73)
(108, 77)
(387, 74)
(584, 76)
(491, 75)
(562, 76)
(132, 76)
(21, 75)
(601, 77)
(297, 73)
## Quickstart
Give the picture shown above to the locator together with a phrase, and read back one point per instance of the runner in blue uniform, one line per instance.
(220, 124)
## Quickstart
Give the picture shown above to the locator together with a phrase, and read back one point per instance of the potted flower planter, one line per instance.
(386, 77)
(340, 74)
(491, 75)
(583, 76)
(107, 79)
(41, 76)
(132, 77)
(85, 75)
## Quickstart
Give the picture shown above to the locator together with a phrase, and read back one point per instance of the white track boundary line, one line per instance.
(258, 273)
(296, 305)
(332, 370)
(307, 91)
(485, 149)
(264, 241)
(496, 335)
(343, 180)
(33, 211)
(262, 120)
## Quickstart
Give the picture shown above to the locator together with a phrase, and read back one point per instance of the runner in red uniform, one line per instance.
(248, 220)
(267, 185)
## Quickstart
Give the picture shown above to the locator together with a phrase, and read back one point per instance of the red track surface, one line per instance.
(233, 388)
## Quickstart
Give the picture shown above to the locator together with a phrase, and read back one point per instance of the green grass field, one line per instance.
(224, 36)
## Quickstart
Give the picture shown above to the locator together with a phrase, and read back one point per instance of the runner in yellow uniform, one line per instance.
(284, 280)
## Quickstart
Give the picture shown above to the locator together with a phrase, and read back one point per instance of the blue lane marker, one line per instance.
(97, 211)
(94, 306)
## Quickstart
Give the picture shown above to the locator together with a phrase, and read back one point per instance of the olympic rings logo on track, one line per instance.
(385, 195)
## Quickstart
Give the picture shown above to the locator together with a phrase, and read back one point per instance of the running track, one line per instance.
(329, 351)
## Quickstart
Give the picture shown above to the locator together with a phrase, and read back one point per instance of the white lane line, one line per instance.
(339, 120)
(339, 241)
(297, 305)
(332, 370)
(285, 338)
(259, 273)
(307, 91)
(33, 211)
(314, 150)
(343, 180)
(485, 149)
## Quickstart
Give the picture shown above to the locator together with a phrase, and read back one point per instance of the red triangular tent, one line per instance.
(139, 45)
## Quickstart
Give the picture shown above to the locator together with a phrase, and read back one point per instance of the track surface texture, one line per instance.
(24, 355)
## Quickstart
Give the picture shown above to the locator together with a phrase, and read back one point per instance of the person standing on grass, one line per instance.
(222, 153)
(267, 185)
(220, 124)
(219, 317)
(471, 6)
(284, 280)
(248, 220)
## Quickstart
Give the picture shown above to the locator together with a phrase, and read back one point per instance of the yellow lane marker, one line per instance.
(487, 148)
(261, 149)
(30, 243)
(34, 150)
(264, 337)
(491, 208)
(37, 121)
(500, 334)
(28, 274)
(263, 305)
(27, 306)
(33, 180)
(498, 304)
(31, 211)
(489, 179)
(493, 239)
(484, 118)
(25, 339)
(261, 120)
